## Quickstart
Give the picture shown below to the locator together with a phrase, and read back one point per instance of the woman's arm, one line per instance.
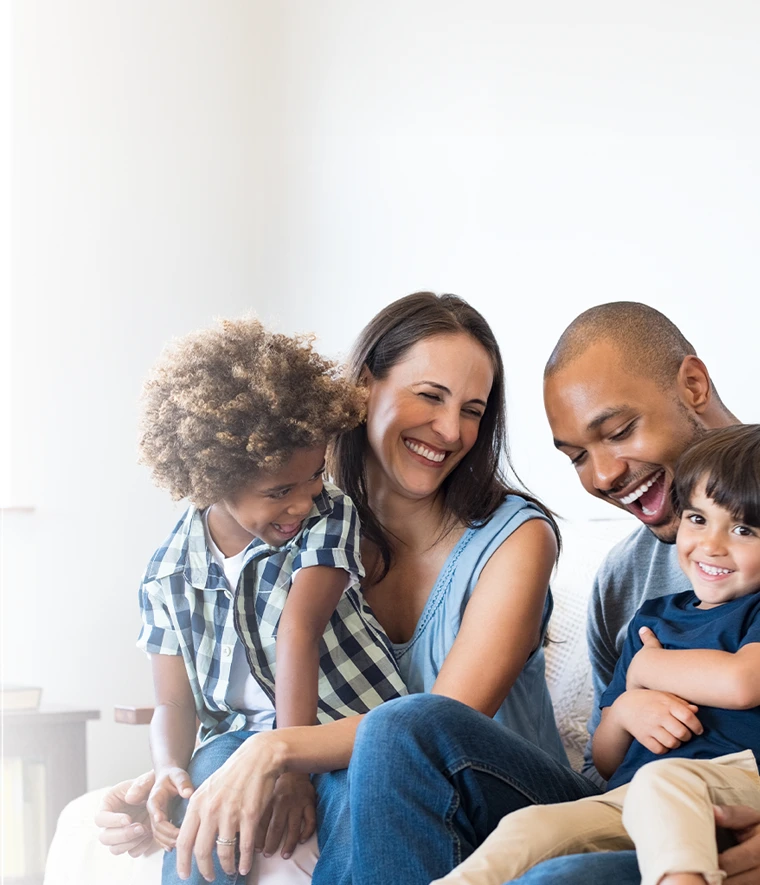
(502, 622)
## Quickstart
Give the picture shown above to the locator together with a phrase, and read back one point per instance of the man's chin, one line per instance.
(665, 532)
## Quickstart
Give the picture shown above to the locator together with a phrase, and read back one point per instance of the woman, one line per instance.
(458, 569)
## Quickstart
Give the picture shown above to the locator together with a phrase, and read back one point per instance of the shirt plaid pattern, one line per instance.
(188, 609)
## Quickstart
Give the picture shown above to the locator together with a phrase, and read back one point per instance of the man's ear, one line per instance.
(694, 385)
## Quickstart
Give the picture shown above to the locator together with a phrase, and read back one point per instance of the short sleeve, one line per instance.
(751, 632)
(333, 541)
(157, 635)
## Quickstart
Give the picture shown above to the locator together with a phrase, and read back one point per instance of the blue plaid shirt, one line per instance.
(188, 609)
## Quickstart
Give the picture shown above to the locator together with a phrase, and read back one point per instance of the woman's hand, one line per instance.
(657, 719)
(123, 817)
(231, 803)
(291, 817)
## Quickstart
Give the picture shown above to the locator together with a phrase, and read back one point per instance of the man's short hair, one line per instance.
(648, 342)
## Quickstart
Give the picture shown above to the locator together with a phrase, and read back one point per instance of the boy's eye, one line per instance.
(318, 475)
(695, 518)
(744, 531)
(277, 495)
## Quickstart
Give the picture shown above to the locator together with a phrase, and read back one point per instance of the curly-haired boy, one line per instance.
(252, 606)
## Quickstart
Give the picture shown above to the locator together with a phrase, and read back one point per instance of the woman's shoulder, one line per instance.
(513, 509)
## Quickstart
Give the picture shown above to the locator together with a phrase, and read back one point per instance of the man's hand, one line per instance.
(293, 816)
(742, 862)
(634, 677)
(124, 820)
(657, 719)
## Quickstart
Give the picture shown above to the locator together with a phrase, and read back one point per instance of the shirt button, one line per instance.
(226, 651)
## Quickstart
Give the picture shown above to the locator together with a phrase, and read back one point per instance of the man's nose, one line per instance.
(608, 471)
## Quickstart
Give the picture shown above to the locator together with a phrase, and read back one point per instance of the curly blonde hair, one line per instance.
(225, 403)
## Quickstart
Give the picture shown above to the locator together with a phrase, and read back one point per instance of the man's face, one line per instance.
(622, 432)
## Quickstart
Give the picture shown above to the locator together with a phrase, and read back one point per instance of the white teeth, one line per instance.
(637, 493)
(424, 451)
(714, 570)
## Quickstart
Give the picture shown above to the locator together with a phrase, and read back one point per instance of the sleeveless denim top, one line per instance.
(527, 709)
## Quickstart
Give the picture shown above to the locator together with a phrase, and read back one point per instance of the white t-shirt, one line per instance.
(244, 695)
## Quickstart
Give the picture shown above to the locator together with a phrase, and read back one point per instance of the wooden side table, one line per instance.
(53, 741)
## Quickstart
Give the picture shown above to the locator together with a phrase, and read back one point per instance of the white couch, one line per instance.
(77, 858)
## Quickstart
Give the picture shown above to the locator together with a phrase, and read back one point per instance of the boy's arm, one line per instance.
(705, 676)
(313, 597)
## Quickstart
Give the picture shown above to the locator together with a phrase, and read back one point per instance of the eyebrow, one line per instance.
(288, 485)
(446, 390)
(606, 415)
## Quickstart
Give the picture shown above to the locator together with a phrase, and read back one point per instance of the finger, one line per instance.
(292, 833)
(111, 819)
(654, 745)
(662, 735)
(736, 817)
(130, 846)
(186, 842)
(182, 783)
(686, 715)
(261, 830)
(648, 638)
(205, 844)
(138, 792)
(115, 836)
(277, 826)
(228, 828)
(158, 803)
(166, 833)
(246, 843)
(147, 845)
(678, 730)
(308, 823)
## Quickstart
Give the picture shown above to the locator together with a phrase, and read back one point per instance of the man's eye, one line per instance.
(578, 459)
(624, 432)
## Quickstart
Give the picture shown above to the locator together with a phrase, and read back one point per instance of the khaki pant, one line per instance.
(665, 813)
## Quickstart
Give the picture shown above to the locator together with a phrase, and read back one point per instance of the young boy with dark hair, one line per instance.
(252, 607)
(687, 687)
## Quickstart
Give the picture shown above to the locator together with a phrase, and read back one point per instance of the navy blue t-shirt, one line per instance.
(679, 624)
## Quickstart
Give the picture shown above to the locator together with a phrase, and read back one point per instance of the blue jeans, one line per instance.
(206, 760)
(618, 867)
(430, 778)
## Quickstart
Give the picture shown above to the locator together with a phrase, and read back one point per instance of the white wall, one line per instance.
(177, 160)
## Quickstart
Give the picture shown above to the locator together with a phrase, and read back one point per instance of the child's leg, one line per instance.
(206, 760)
(668, 812)
(530, 835)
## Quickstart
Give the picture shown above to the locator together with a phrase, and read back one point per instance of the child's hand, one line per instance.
(170, 783)
(657, 719)
(293, 816)
(635, 676)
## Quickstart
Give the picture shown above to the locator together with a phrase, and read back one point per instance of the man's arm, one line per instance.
(705, 676)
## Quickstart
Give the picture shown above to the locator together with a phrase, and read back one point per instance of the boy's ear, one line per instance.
(694, 384)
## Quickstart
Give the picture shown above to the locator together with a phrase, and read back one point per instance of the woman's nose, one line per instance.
(446, 425)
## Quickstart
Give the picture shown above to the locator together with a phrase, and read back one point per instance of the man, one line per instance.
(625, 394)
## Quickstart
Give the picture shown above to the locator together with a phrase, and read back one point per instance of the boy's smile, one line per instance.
(272, 506)
(718, 553)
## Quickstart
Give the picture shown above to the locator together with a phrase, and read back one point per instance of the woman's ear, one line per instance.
(694, 385)
(365, 376)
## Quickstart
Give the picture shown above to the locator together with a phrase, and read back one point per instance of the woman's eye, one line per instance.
(475, 413)
(433, 396)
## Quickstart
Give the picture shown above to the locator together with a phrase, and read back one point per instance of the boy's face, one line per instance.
(274, 505)
(719, 554)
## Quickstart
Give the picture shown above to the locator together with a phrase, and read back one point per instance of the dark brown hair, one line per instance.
(226, 403)
(478, 485)
(727, 460)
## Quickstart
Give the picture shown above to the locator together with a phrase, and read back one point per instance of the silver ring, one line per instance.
(221, 841)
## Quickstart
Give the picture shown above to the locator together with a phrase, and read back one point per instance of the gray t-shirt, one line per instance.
(638, 568)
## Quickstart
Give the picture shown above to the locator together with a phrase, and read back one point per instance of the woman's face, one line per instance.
(424, 416)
